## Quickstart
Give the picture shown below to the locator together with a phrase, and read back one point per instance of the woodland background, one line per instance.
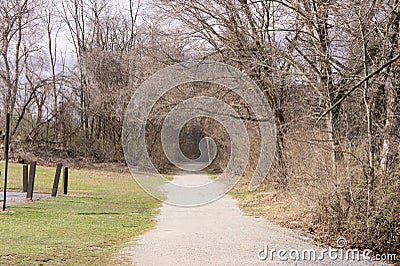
(329, 70)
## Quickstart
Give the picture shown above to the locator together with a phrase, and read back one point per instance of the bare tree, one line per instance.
(391, 142)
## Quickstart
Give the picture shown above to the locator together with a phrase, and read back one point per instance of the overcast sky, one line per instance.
(65, 47)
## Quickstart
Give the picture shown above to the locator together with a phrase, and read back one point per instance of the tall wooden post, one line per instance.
(6, 149)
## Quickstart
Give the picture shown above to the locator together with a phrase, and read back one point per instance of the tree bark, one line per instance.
(391, 142)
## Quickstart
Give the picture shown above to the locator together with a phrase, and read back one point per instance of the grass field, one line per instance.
(104, 210)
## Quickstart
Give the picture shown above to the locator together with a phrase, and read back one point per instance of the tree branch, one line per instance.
(388, 63)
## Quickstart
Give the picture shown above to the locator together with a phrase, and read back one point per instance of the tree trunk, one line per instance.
(333, 122)
(391, 141)
(280, 148)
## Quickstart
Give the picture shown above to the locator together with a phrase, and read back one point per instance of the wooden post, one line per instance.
(6, 149)
(31, 183)
(25, 178)
(65, 181)
(56, 180)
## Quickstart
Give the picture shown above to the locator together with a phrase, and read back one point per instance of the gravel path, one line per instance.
(217, 234)
(15, 198)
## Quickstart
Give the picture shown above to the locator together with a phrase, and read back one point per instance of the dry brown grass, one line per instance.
(326, 203)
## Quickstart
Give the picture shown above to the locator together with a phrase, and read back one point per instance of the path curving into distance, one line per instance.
(217, 234)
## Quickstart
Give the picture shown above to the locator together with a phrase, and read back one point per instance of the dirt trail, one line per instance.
(217, 234)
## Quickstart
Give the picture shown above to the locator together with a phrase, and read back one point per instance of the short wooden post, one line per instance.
(56, 180)
(65, 181)
(25, 178)
(31, 182)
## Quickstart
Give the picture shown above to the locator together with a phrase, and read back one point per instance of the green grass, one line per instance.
(213, 176)
(104, 209)
(169, 177)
